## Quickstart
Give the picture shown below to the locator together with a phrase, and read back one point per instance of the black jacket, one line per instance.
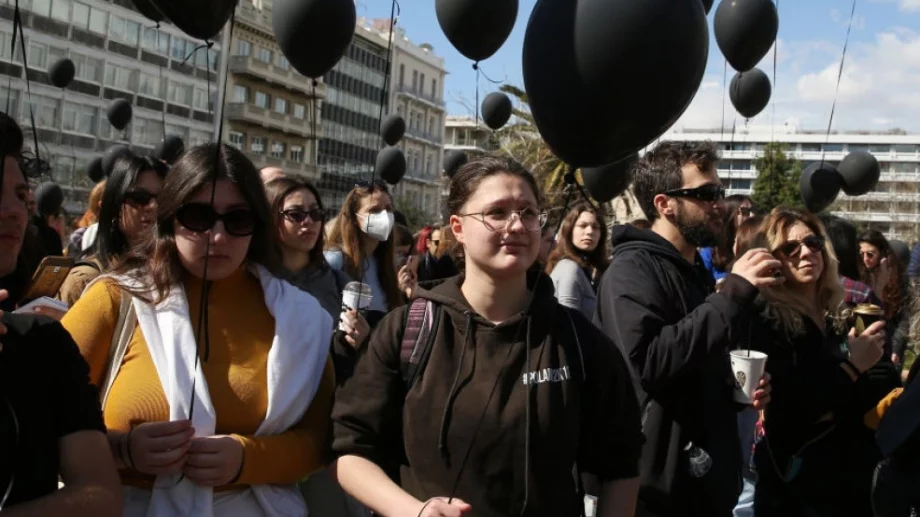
(676, 332)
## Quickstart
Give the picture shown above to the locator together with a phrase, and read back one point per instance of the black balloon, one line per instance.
(119, 113)
(453, 160)
(750, 92)
(707, 4)
(477, 28)
(48, 198)
(860, 173)
(393, 129)
(200, 19)
(61, 72)
(169, 149)
(391, 165)
(150, 11)
(609, 181)
(900, 250)
(111, 155)
(496, 110)
(95, 170)
(819, 186)
(745, 30)
(313, 34)
(606, 77)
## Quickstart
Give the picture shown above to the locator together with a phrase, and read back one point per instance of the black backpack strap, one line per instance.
(418, 336)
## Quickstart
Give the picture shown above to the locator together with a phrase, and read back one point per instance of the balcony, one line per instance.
(273, 74)
(413, 93)
(247, 13)
(306, 170)
(886, 197)
(245, 112)
(877, 217)
(424, 137)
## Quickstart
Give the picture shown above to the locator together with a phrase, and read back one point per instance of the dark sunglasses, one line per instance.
(372, 185)
(139, 197)
(709, 193)
(201, 217)
(299, 215)
(794, 248)
(435, 241)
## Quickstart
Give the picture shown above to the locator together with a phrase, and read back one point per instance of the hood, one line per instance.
(628, 238)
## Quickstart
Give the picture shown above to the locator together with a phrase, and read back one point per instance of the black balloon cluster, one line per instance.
(822, 182)
(745, 30)
(453, 160)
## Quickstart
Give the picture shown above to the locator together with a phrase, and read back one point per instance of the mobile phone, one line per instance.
(49, 277)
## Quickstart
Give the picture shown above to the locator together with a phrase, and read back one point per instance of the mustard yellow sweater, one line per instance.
(240, 333)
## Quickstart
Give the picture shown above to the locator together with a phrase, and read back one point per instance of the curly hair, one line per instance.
(659, 170)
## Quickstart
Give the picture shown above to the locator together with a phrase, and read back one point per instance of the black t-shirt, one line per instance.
(45, 391)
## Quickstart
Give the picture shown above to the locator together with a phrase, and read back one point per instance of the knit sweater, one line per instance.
(240, 333)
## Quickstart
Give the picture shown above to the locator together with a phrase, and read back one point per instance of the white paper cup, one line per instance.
(356, 296)
(748, 367)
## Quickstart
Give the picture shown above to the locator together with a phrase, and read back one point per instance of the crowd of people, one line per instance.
(520, 359)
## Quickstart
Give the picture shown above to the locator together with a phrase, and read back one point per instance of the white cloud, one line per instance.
(906, 6)
(877, 90)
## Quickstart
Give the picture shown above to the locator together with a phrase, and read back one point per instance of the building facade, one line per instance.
(271, 111)
(466, 134)
(893, 207)
(117, 54)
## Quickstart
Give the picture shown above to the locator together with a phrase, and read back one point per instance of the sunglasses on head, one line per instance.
(372, 185)
(299, 215)
(710, 192)
(201, 217)
(139, 197)
(794, 248)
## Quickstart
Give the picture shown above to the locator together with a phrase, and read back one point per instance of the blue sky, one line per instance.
(879, 90)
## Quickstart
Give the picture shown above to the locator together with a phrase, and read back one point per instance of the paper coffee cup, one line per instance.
(356, 295)
(866, 314)
(748, 367)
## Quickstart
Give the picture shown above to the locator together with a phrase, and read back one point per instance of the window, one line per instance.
(45, 109)
(41, 7)
(98, 20)
(833, 148)
(431, 126)
(199, 137)
(257, 145)
(299, 111)
(149, 85)
(414, 79)
(180, 93)
(264, 55)
(283, 62)
(118, 77)
(201, 100)
(178, 48)
(60, 10)
(811, 148)
(243, 48)
(79, 118)
(281, 106)
(402, 75)
(237, 139)
(297, 153)
(147, 131)
(240, 94)
(13, 96)
(278, 150)
(262, 100)
(900, 148)
(117, 28)
(132, 32)
(80, 15)
(38, 54)
(434, 88)
(428, 165)
(155, 41)
(421, 84)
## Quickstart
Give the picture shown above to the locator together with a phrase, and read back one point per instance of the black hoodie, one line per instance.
(676, 333)
(581, 408)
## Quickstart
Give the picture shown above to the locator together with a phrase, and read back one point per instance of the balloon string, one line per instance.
(17, 27)
(773, 178)
(395, 11)
(843, 56)
(724, 90)
(476, 68)
(313, 118)
(160, 70)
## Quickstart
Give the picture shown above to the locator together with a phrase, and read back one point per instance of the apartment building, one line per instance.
(118, 54)
(271, 110)
(893, 207)
(466, 134)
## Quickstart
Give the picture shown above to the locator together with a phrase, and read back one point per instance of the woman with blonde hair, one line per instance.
(85, 228)
(817, 456)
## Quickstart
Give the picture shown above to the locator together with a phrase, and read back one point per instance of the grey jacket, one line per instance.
(573, 287)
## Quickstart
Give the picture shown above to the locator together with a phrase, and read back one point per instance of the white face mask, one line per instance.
(379, 225)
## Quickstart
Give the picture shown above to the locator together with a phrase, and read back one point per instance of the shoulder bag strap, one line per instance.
(124, 329)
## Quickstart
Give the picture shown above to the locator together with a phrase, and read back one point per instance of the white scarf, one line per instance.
(303, 331)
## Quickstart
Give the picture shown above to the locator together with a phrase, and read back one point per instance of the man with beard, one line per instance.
(657, 302)
(51, 426)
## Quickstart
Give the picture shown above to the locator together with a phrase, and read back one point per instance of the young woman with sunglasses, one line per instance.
(580, 258)
(524, 389)
(361, 245)
(881, 270)
(217, 408)
(817, 456)
(128, 210)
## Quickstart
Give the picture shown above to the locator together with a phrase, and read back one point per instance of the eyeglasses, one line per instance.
(794, 248)
(299, 215)
(709, 193)
(500, 219)
(201, 217)
(139, 197)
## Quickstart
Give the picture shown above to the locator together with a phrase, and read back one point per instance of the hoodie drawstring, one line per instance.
(442, 433)
(527, 421)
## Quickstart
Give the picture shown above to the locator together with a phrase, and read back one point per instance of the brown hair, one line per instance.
(447, 243)
(346, 237)
(199, 167)
(468, 177)
(891, 294)
(747, 236)
(92, 209)
(565, 248)
(277, 190)
(723, 253)
(659, 170)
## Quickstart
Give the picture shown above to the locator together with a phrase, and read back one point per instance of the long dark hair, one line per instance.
(565, 248)
(723, 253)
(110, 241)
(199, 167)
(346, 237)
(278, 190)
(891, 293)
